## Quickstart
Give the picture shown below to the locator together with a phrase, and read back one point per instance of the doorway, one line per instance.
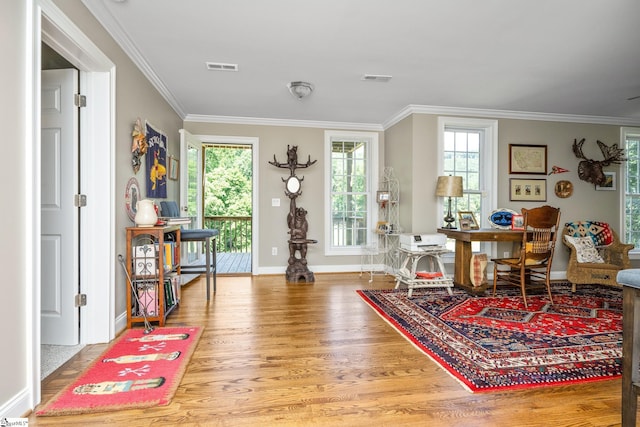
(229, 243)
(228, 204)
(97, 258)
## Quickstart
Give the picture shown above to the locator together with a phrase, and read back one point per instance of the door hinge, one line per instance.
(81, 300)
(80, 100)
(80, 200)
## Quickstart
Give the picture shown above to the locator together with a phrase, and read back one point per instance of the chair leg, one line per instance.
(495, 278)
(214, 265)
(523, 279)
(549, 289)
(208, 265)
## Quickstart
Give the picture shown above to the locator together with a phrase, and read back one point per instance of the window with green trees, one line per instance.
(631, 171)
(351, 180)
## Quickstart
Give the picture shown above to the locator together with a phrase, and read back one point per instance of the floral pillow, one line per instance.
(585, 250)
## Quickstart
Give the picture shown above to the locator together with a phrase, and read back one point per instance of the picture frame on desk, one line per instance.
(527, 190)
(517, 222)
(528, 159)
(468, 219)
(465, 224)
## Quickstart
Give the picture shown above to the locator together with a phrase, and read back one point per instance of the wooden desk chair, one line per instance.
(536, 254)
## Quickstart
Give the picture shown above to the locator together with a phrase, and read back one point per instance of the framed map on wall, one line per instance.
(528, 159)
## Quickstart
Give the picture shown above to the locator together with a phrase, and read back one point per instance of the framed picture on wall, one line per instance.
(609, 183)
(173, 168)
(527, 190)
(528, 159)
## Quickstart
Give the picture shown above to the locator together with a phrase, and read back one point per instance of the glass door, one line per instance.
(191, 190)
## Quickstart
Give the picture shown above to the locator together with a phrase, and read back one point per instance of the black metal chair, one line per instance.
(169, 209)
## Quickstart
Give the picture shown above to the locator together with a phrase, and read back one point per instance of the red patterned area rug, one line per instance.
(138, 370)
(495, 344)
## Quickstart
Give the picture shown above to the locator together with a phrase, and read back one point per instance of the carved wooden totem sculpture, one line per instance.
(297, 270)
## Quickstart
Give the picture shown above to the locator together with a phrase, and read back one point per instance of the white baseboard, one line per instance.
(18, 406)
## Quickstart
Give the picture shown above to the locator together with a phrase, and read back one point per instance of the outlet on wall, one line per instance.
(274, 251)
(505, 254)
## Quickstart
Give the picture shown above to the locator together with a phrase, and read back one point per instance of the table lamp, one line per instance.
(449, 186)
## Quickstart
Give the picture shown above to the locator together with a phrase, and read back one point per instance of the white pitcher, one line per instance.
(146, 215)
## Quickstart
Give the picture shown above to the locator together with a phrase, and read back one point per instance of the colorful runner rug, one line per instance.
(495, 344)
(137, 371)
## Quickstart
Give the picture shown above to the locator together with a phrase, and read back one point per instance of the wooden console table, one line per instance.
(463, 238)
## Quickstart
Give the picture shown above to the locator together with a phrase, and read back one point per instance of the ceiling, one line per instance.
(566, 57)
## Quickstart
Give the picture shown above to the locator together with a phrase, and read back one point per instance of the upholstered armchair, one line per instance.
(597, 254)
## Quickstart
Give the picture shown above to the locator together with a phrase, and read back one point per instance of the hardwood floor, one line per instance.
(316, 355)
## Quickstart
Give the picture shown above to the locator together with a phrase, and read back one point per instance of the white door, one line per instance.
(59, 234)
(191, 190)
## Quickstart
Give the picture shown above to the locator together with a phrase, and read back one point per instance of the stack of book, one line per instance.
(176, 220)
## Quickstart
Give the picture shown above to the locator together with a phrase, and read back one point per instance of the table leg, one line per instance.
(630, 353)
(461, 273)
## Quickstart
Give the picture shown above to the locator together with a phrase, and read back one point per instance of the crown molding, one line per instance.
(507, 114)
(113, 27)
(257, 121)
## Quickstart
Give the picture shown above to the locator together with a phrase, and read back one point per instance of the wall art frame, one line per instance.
(527, 159)
(609, 184)
(174, 168)
(527, 190)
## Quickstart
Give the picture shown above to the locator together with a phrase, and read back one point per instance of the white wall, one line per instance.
(14, 249)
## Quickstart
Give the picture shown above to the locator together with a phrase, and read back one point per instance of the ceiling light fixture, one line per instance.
(300, 89)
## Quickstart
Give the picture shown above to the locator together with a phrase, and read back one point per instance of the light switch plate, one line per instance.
(275, 202)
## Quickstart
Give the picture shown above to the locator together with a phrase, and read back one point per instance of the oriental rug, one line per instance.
(495, 344)
(138, 370)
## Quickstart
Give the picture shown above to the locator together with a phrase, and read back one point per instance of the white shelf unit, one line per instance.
(382, 255)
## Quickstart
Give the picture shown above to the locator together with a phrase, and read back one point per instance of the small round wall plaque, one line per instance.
(564, 189)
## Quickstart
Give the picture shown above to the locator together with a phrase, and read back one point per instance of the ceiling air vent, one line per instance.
(218, 66)
(376, 78)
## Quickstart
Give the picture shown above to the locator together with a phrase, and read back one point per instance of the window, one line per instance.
(631, 182)
(468, 148)
(351, 159)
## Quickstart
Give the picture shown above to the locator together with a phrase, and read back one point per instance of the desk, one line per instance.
(463, 238)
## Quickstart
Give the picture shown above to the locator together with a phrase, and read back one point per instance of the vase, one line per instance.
(146, 215)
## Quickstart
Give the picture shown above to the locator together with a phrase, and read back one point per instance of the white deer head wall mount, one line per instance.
(590, 170)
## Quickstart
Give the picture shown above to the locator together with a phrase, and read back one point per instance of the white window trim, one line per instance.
(624, 131)
(372, 186)
(489, 165)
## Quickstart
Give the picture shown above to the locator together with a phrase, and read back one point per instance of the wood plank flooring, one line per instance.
(274, 354)
(233, 262)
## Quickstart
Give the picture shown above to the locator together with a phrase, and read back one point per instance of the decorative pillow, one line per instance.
(479, 269)
(599, 232)
(585, 250)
